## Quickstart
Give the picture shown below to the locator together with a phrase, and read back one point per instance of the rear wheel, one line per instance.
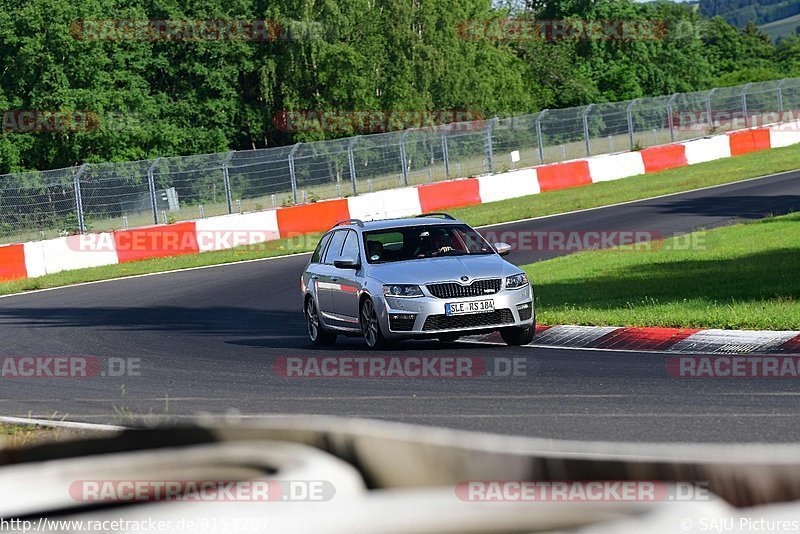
(516, 335)
(370, 327)
(315, 330)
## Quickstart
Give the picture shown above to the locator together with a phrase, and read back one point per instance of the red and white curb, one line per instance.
(669, 340)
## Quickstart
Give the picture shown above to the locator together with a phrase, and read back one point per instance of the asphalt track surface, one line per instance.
(207, 341)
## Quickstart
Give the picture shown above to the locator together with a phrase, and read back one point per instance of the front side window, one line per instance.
(427, 241)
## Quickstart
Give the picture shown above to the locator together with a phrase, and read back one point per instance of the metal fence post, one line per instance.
(780, 99)
(292, 175)
(540, 144)
(744, 103)
(403, 160)
(79, 198)
(489, 147)
(445, 155)
(709, 115)
(585, 118)
(670, 118)
(352, 161)
(151, 184)
(629, 115)
(227, 179)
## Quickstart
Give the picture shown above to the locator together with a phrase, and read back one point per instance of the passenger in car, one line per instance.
(374, 250)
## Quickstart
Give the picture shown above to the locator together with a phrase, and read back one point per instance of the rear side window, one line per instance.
(320, 248)
(335, 248)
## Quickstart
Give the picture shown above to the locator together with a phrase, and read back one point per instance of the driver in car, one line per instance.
(435, 244)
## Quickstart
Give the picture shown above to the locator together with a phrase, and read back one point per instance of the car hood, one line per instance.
(450, 268)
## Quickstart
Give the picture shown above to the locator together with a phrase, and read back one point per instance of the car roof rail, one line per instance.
(438, 214)
(358, 222)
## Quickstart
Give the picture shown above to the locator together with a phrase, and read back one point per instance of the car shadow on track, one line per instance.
(230, 325)
(350, 345)
(212, 320)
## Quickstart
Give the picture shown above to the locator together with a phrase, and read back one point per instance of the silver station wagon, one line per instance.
(432, 276)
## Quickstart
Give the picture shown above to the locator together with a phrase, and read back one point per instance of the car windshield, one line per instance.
(423, 241)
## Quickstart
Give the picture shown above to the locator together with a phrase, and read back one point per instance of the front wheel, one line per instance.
(516, 335)
(315, 331)
(370, 327)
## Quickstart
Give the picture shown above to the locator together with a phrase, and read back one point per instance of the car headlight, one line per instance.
(402, 290)
(516, 281)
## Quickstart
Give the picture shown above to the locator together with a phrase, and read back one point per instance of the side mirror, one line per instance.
(346, 263)
(503, 249)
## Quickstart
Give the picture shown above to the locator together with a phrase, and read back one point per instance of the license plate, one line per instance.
(464, 308)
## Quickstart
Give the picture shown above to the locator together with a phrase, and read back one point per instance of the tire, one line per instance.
(370, 326)
(516, 335)
(316, 332)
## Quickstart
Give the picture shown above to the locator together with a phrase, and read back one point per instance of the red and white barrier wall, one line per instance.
(218, 233)
(67, 253)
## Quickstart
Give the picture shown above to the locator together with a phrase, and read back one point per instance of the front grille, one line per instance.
(451, 290)
(401, 322)
(445, 322)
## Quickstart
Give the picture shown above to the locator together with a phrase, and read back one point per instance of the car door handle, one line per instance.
(334, 279)
(315, 277)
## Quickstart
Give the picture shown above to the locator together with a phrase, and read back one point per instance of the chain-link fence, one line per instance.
(110, 196)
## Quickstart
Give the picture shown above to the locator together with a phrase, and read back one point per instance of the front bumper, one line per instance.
(425, 316)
